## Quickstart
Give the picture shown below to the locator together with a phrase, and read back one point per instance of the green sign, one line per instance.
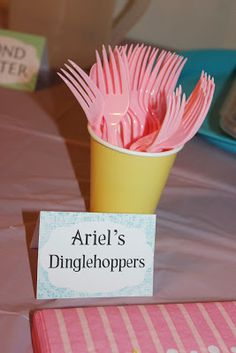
(20, 59)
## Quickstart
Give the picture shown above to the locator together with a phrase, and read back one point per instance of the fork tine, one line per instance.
(90, 84)
(100, 75)
(211, 93)
(167, 119)
(121, 67)
(146, 74)
(146, 70)
(192, 96)
(176, 106)
(134, 65)
(179, 110)
(93, 73)
(77, 94)
(77, 80)
(79, 84)
(193, 109)
(116, 77)
(133, 60)
(156, 77)
(195, 119)
(181, 113)
(173, 78)
(164, 68)
(195, 98)
(169, 69)
(208, 95)
(122, 48)
(196, 112)
(107, 72)
(125, 62)
(149, 81)
(132, 52)
(123, 76)
(141, 63)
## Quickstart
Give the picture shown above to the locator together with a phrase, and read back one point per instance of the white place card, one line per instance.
(95, 255)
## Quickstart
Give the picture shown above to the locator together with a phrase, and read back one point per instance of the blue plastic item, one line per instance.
(221, 64)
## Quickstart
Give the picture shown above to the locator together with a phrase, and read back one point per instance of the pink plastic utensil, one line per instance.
(195, 111)
(86, 92)
(168, 73)
(163, 78)
(113, 84)
(140, 65)
(145, 90)
(148, 81)
(129, 125)
(174, 113)
(170, 125)
(126, 123)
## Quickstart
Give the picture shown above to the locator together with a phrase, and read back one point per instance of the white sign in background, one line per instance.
(95, 255)
(16, 71)
(21, 56)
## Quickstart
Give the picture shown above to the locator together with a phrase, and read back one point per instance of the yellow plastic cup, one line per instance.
(125, 181)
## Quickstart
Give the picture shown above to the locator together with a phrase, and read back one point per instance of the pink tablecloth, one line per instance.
(44, 159)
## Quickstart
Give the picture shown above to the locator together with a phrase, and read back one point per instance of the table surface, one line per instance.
(44, 160)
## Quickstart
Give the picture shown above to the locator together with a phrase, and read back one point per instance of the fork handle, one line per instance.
(113, 134)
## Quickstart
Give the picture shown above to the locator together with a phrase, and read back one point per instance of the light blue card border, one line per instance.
(50, 221)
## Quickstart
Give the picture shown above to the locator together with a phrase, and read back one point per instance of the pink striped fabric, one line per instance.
(171, 328)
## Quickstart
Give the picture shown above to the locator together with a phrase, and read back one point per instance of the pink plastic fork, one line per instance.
(148, 81)
(127, 124)
(113, 84)
(191, 122)
(196, 109)
(194, 117)
(140, 65)
(86, 92)
(145, 90)
(163, 78)
(174, 113)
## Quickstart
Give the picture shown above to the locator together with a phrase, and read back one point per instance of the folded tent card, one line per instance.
(131, 100)
(83, 254)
